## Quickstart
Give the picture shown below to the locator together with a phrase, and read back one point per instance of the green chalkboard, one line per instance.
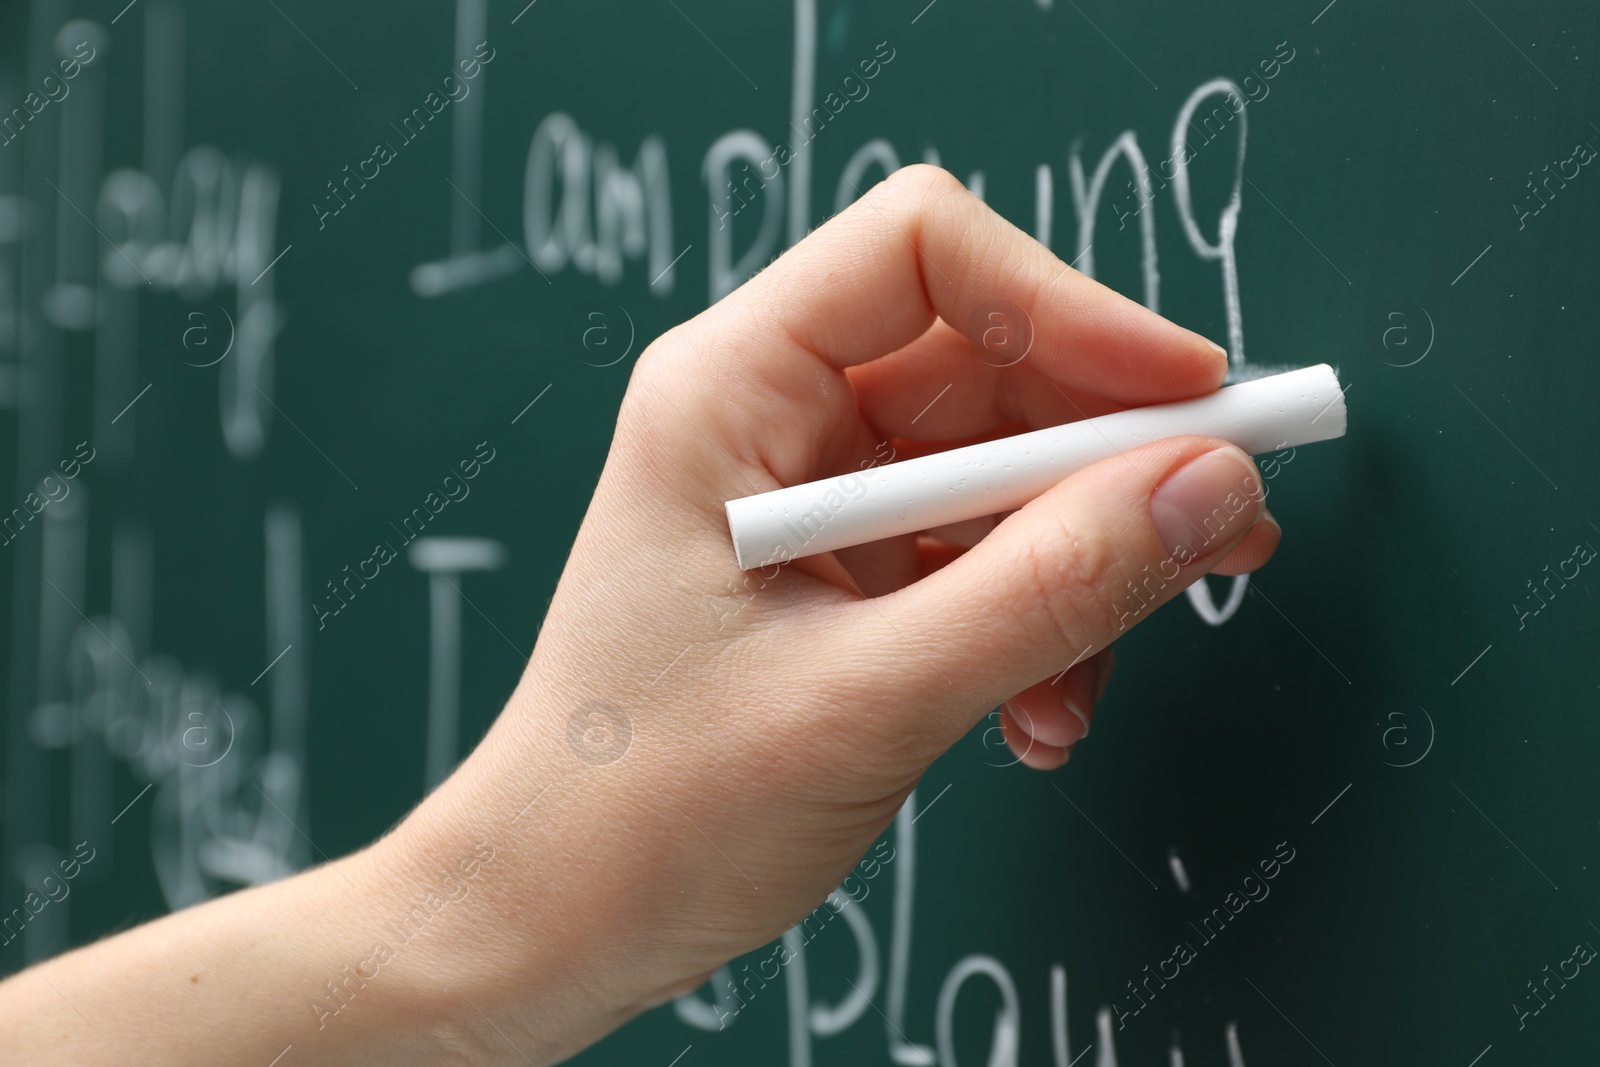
(270, 272)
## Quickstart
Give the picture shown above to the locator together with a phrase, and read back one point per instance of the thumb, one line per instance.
(1063, 577)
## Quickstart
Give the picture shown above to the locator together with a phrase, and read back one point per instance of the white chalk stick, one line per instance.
(1279, 411)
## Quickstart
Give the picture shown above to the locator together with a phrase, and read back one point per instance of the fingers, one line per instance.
(942, 386)
(1044, 722)
(1060, 579)
(919, 244)
(933, 389)
(1030, 751)
(871, 281)
(1058, 711)
(1252, 553)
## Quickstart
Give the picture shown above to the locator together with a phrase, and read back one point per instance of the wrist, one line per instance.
(486, 939)
(358, 996)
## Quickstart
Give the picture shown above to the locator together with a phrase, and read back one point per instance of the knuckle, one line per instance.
(667, 348)
(921, 183)
(875, 744)
(1071, 579)
(840, 724)
(664, 366)
(871, 751)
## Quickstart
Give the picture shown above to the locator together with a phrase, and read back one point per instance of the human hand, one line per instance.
(697, 755)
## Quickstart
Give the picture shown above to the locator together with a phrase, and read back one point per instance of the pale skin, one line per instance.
(778, 718)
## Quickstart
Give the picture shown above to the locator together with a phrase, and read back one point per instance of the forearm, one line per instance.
(235, 980)
(381, 957)
(699, 755)
(512, 918)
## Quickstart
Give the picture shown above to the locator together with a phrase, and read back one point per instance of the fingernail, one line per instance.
(1206, 503)
(1108, 661)
(1079, 690)
(1218, 349)
(1081, 713)
(1019, 716)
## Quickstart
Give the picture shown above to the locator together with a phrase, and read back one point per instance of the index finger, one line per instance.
(919, 245)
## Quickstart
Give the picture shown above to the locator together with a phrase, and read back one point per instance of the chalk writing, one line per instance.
(455, 488)
(55, 90)
(1255, 889)
(51, 490)
(855, 89)
(1210, 128)
(811, 1018)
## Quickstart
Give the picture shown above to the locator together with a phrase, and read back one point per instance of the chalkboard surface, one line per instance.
(269, 271)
